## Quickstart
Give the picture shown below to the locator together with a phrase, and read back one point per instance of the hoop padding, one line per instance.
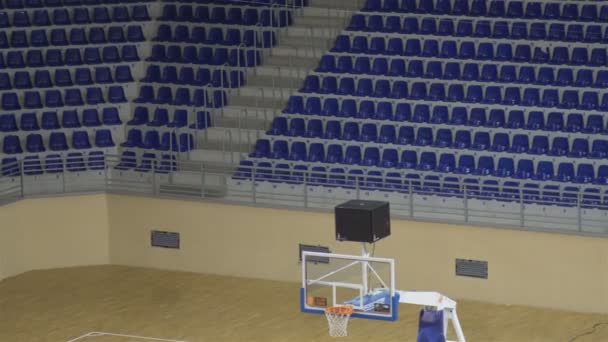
(337, 318)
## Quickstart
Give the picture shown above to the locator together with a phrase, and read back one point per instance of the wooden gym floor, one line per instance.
(62, 304)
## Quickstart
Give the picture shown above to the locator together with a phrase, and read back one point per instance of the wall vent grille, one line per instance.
(165, 239)
(472, 268)
(313, 248)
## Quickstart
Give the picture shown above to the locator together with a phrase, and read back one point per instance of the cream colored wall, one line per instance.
(538, 269)
(53, 232)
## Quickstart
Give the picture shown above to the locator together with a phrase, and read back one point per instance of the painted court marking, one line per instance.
(99, 333)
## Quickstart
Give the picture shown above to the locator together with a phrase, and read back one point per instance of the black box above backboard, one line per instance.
(362, 221)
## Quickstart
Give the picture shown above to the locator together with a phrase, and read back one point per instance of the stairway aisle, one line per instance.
(251, 108)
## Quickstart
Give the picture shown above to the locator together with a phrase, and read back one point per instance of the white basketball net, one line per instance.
(338, 322)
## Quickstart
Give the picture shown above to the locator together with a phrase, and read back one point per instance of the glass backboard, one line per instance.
(366, 283)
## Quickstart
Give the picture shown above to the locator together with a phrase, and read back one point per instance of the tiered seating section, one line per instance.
(66, 71)
(200, 52)
(490, 99)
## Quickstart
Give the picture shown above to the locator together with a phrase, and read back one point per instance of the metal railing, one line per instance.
(547, 206)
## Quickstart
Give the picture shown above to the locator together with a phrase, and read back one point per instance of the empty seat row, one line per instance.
(77, 36)
(430, 184)
(470, 50)
(141, 116)
(467, 27)
(49, 120)
(441, 114)
(54, 98)
(458, 92)
(202, 77)
(161, 118)
(63, 77)
(21, 4)
(78, 16)
(430, 161)
(513, 9)
(154, 140)
(53, 163)
(69, 57)
(34, 143)
(205, 55)
(450, 70)
(232, 15)
(443, 138)
(164, 95)
(215, 35)
(147, 162)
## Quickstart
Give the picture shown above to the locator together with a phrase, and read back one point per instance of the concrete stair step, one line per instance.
(256, 102)
(226, 138)
(352, 5)
(241, 122)
(320, 21)
(212, 154)
(293, 74)
(299, 51)
(267, 92)
(265, 114)
(310, 42)
(303, 62)
(274, 81)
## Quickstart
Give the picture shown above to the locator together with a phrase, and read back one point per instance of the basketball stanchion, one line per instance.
(337, 318)
(363, 286)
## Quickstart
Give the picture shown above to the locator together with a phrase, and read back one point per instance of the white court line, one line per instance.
(98, 333)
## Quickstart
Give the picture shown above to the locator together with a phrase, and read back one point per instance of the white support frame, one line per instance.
(439, 302)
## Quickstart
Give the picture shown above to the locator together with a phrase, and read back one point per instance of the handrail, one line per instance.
(453, 196)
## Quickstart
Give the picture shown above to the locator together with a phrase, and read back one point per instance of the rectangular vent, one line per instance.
(318, 249)
(472, 268)
(164, 239)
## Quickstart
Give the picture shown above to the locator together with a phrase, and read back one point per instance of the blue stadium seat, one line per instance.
(481, 141)
(462, 139)
(161, 118)
(314, 129)
(103, 138)
(32, 100)
(70, 119)
(29, 122)
(447, 163)
(90, 118)
(565, 172)
(80, 140)
(466, 164)
(134, 138)
(427, 162)
(406, 135)
(485, 166)
(49, 120)
(580, 148)
(34, 143)
(459, 116)
(599, 149)
(409, 159)
(500, 142)
(584, 173)
(443, 138)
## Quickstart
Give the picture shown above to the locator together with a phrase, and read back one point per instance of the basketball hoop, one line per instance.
(337, 318)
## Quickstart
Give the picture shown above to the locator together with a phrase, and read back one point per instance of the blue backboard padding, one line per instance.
(393, 317)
